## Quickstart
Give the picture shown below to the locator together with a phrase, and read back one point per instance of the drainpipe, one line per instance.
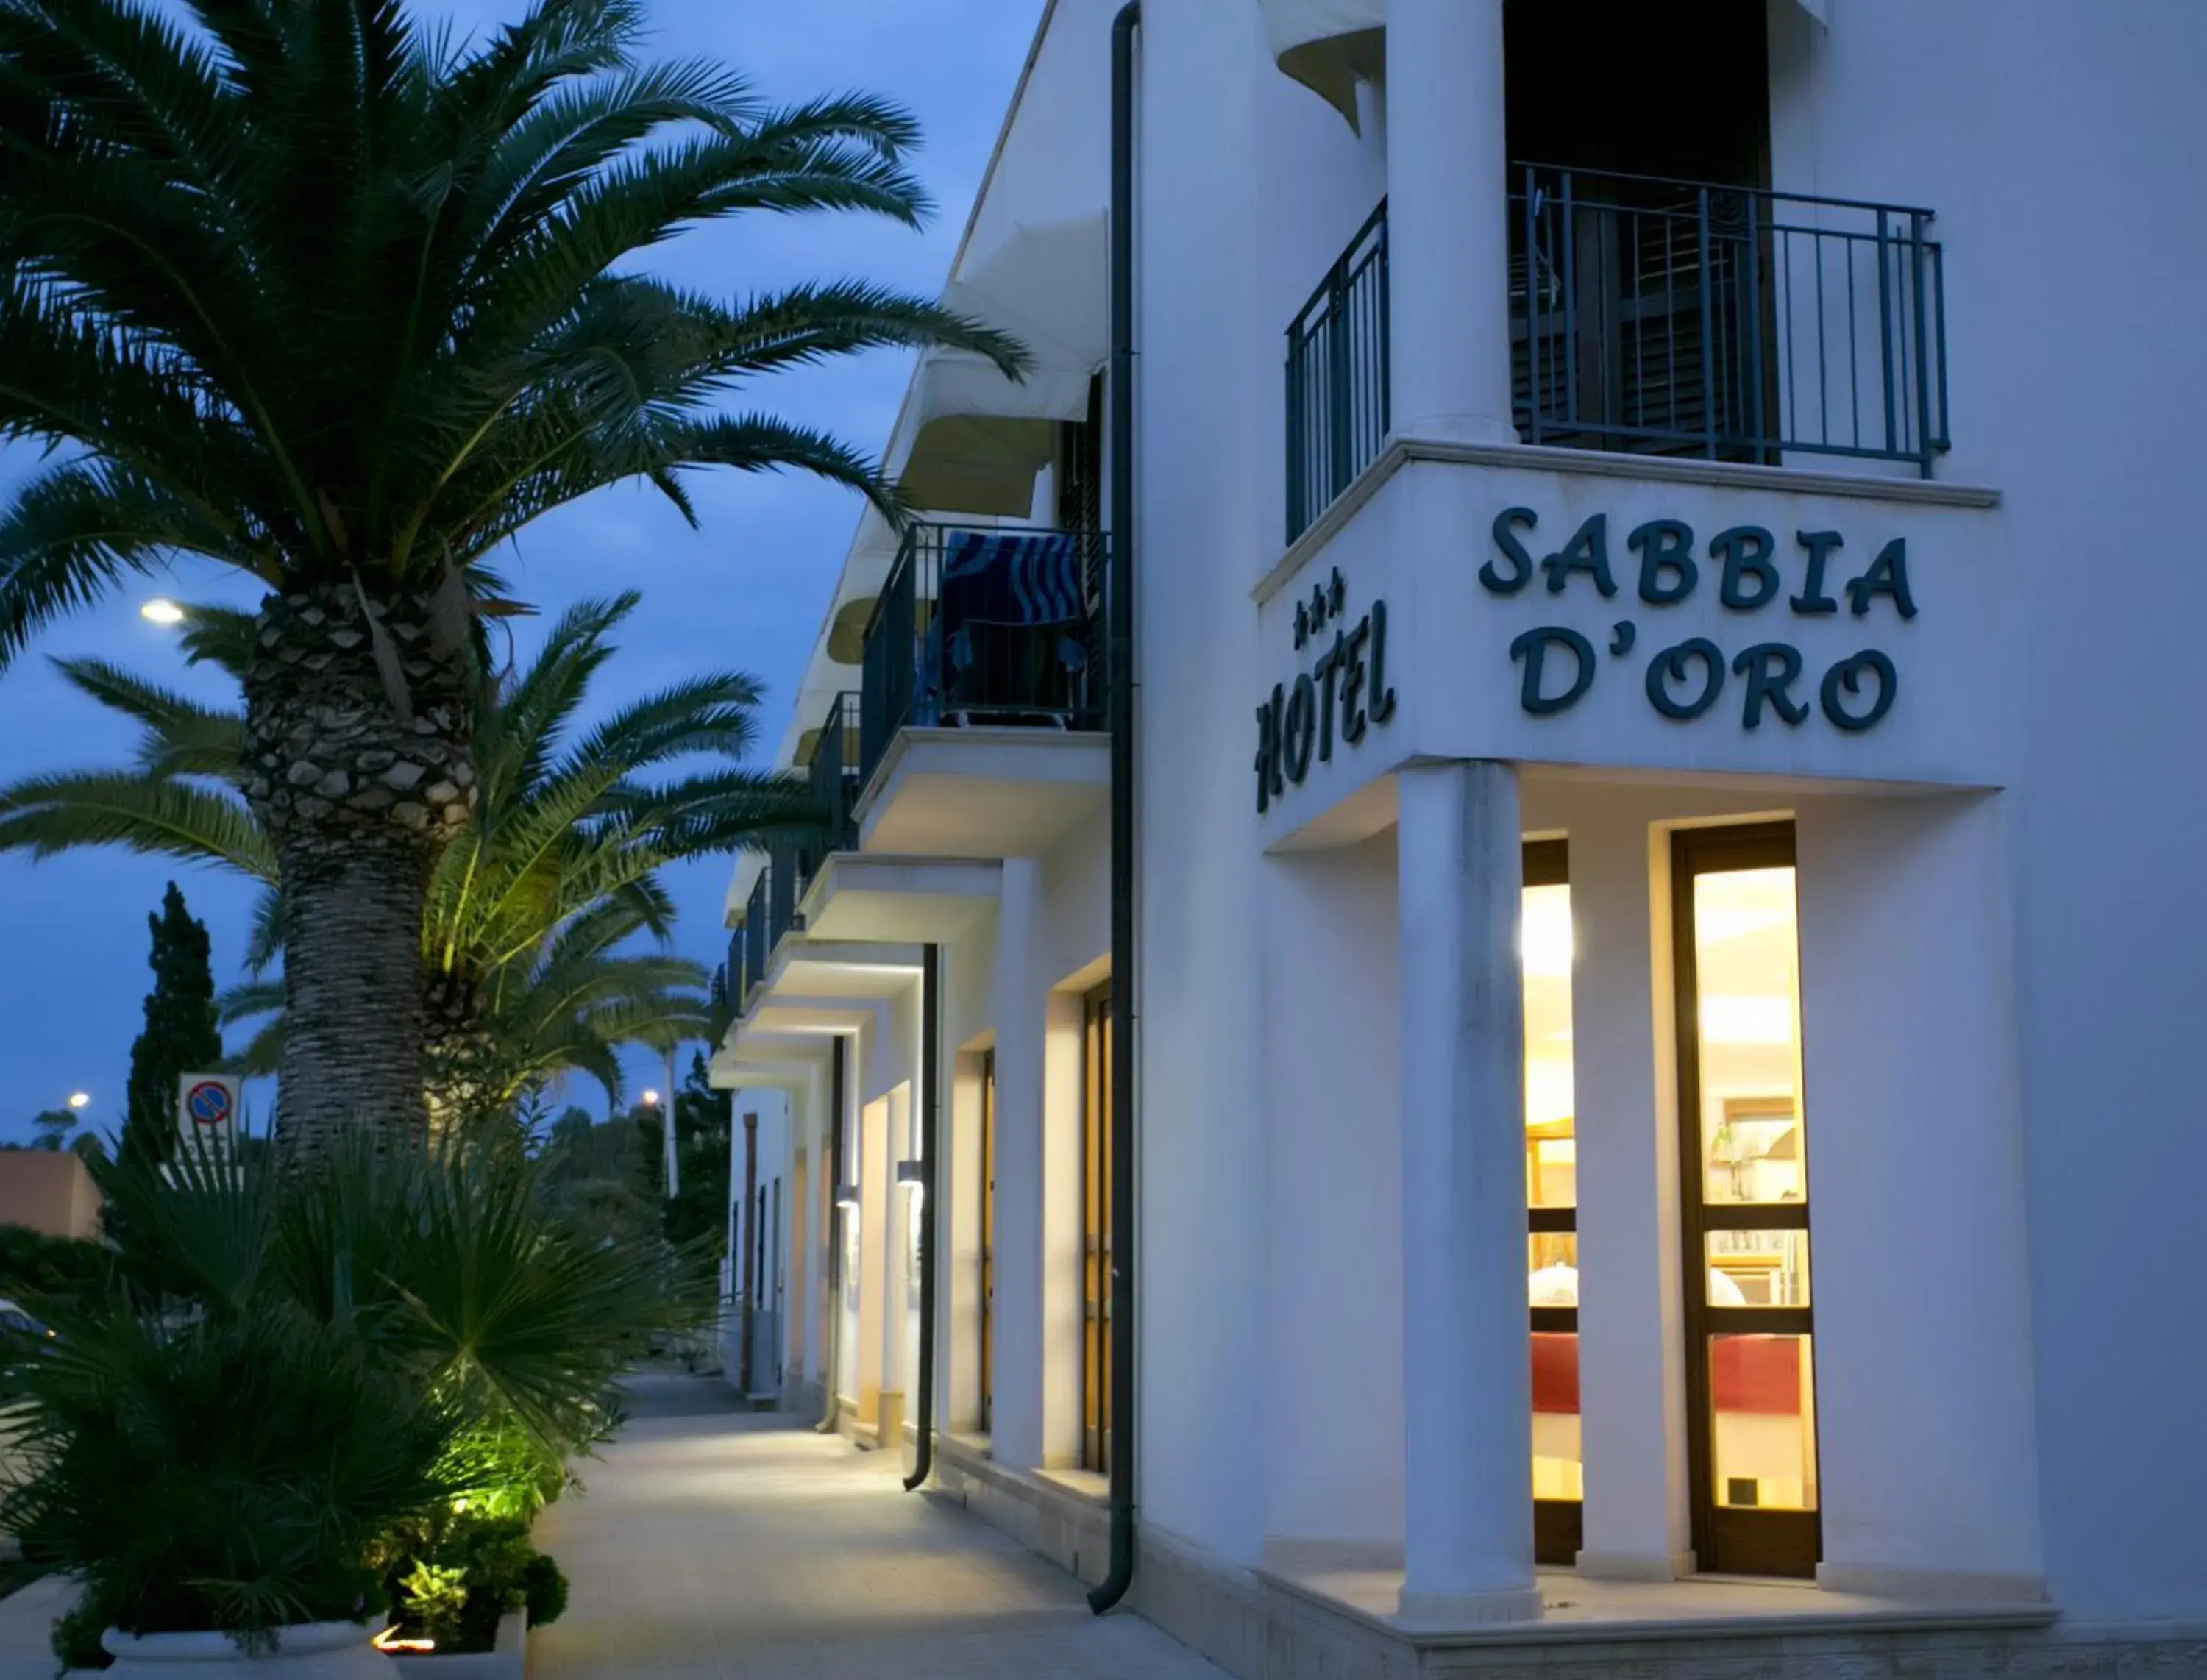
(931, 1053)
(1120, 698)
(834, 1268)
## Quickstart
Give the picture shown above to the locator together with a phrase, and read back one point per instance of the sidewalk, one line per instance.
(27, 1624)
(743, 1546)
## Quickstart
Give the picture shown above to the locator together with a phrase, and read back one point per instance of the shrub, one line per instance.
(231, 1475)
(453, 1575)
(76, 1634)
(316, 1388)
(39, 1267)
(544, 1591)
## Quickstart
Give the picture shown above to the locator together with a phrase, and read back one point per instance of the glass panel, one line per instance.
(1746, 961)
(1552, 1259)
(1558, 1472)
(1758, 1267)
(1551, 1153)
(1763, 1413)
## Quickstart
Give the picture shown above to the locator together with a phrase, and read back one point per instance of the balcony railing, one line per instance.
(1659, 317)
(834, 771)
(791, 865)
(1728, 323)
(756, 946)
(996, 626)
(1337, 380)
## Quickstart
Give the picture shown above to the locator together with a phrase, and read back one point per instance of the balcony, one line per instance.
(982, 697)
(1664, 318)
(998, 627)
(974, 736)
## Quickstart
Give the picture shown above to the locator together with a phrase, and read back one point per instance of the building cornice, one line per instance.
(1400, 452)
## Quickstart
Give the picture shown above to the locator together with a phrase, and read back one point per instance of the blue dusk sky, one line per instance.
(746, 591)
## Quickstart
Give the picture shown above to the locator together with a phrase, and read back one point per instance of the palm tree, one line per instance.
(300, 288)
(531, 912)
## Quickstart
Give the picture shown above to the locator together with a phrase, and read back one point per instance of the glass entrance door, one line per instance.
(1552, 1218)
(1744, 1201)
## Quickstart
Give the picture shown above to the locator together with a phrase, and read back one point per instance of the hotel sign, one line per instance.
(1751, 573)
(1343, 694)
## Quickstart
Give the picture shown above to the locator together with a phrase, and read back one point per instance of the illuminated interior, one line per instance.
(1747, 969)
(1552, 1181)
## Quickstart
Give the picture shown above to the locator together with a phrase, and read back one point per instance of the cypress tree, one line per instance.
(180, 1036)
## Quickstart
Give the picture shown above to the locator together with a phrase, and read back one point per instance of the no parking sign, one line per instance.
(206, 1109)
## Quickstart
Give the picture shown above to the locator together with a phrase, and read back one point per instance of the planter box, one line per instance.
(509, 1661)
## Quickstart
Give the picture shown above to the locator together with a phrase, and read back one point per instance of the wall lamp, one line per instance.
(847, 1195)
(912, 1175)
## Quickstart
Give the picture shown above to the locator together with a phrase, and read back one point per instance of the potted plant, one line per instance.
(349, 1380)
(220, 1485)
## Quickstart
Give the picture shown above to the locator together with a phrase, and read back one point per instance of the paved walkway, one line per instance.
(743, 1546)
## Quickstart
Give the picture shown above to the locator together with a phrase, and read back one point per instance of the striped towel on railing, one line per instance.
(1011, 577)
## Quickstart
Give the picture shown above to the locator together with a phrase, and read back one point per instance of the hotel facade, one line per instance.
(1624, 1092)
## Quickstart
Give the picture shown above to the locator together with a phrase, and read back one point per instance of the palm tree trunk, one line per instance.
(466, 1078)
(357, 763)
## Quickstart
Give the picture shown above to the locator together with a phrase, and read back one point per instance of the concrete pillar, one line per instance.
(1631, 1336)
(1016, 1427)
(1467, 1376)
(1447, 221)
(873, 1374)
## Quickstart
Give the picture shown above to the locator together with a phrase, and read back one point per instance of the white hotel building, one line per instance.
(1641, 1109)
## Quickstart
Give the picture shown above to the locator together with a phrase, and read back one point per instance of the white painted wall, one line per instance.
(1331, 1175)
(1916, 1171)
(2055, 659)
(1249, 186)
(1999, 117)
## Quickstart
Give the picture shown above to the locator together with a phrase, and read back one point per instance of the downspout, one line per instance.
(834, 1269)
(931, 1053)
(1119, 676)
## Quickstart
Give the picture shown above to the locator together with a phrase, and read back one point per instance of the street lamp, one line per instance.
(650, 1099)
(80, 1099)
(161, 610)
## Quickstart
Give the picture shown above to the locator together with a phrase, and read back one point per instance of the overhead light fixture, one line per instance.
(161, 610)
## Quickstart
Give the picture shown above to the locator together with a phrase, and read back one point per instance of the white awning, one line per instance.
(1331, 45)
(979, 438)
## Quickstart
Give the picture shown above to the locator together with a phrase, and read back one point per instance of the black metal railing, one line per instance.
(772, 912)
(757, 947)
(834, 771)
(1658, 317)
(1337, 378)
(1727, 323)
(998, 626)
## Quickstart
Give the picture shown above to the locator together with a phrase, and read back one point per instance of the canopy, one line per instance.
(979, 438)
(1331, 45)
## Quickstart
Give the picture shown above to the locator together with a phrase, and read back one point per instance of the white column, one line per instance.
(1631, 1334)
(1447, 221)
(1017, 1006)
(1467, 1375)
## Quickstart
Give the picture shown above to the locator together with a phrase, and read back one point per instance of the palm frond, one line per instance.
(46, 815)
